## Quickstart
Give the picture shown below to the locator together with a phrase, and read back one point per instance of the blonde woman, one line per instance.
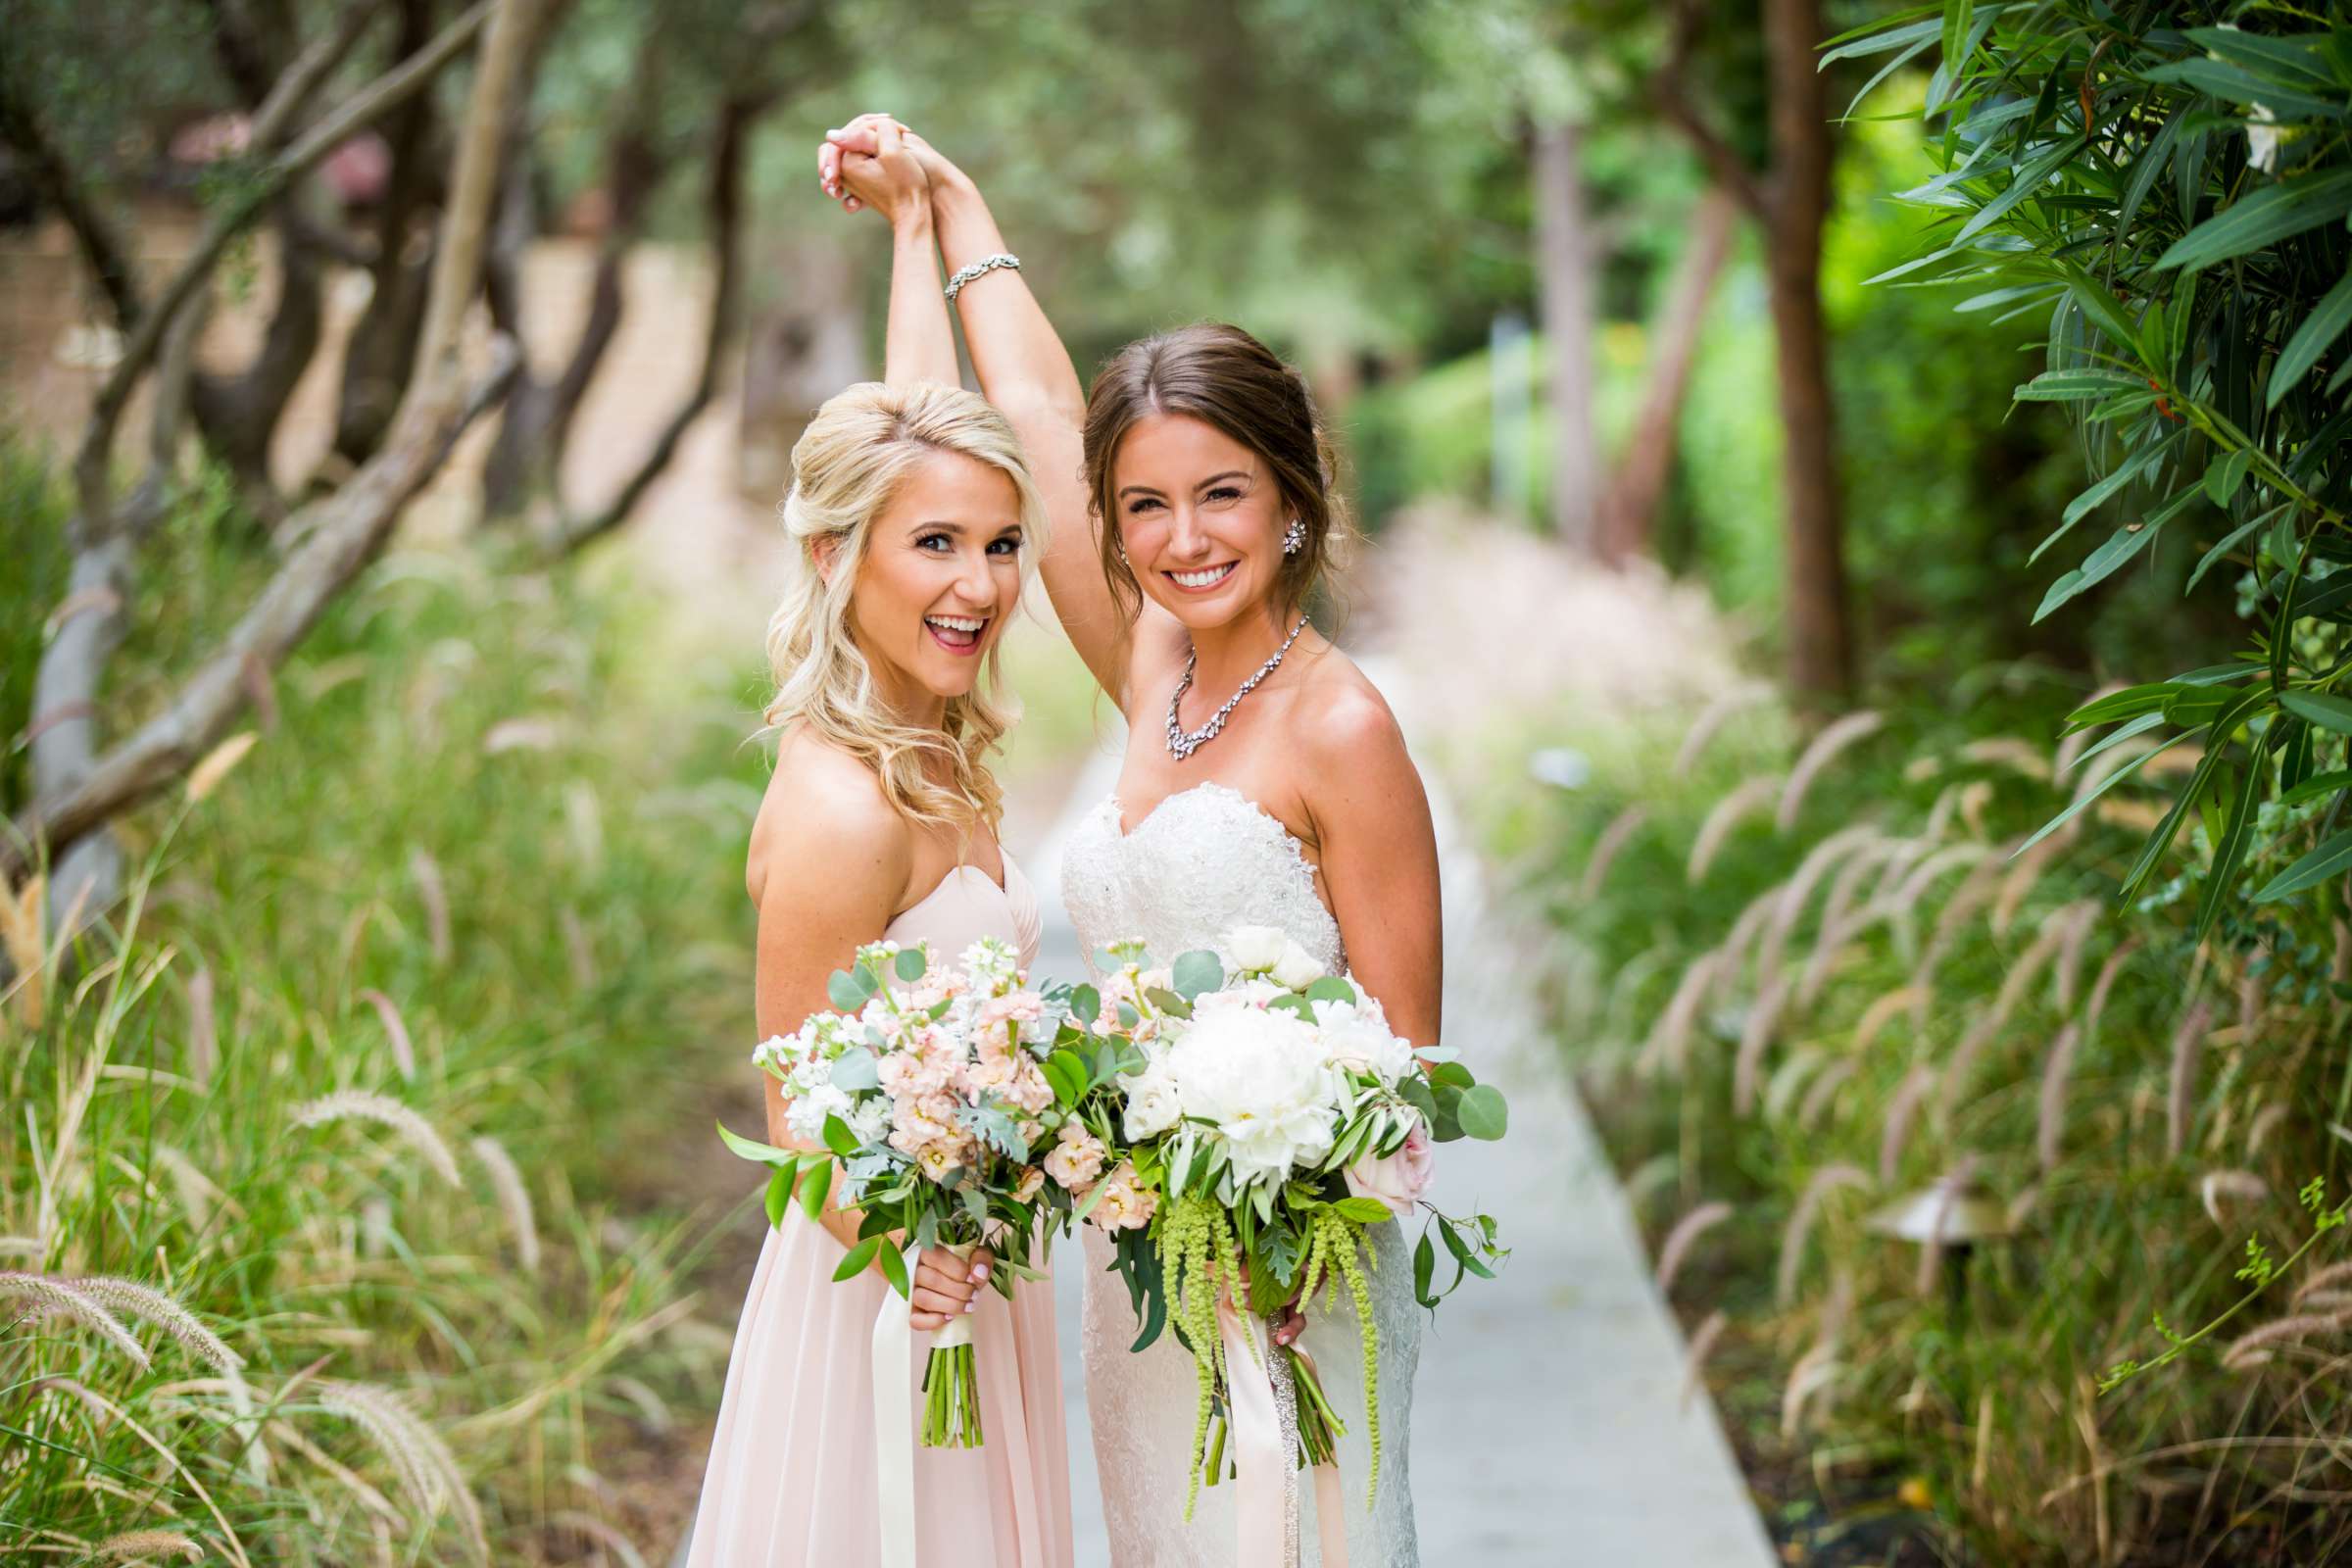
(910, 515)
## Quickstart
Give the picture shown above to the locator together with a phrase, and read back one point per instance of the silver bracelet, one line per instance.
(980, 269)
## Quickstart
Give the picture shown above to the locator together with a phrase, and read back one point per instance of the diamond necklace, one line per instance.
(1183, 742)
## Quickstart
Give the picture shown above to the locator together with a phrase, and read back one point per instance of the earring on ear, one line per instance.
(1122, 550)
(1295, 539)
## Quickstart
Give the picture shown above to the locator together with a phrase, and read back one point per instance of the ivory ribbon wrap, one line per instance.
(1265, 1442)
(894, 1416)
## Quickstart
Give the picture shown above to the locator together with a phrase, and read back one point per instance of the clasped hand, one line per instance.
(947, 1285)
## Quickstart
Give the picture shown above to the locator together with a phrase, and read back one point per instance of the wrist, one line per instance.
(913, 222)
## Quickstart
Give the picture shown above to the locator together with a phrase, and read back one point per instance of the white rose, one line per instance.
(1152, 1106)
(1356, 1039)
(1297, 969)
(1255, 949)
(1260, 1078)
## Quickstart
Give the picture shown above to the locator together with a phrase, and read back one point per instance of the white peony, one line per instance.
(1297, 969)
(1249, 994)
(1258, 1077)
(1255, 949)
(1153, 1107)
(1356, 1038)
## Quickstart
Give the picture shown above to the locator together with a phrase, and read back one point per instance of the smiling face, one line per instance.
(942, 571)
(1201, 517)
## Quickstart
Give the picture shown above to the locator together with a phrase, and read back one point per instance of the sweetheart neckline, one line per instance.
(1118, 812)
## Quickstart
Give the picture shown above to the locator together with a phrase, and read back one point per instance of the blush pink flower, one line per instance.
(1400, 1179)
(1076, 1158)
(1123, 1205)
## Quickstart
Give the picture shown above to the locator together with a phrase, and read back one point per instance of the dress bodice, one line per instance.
(1203, 860)
(968, 904)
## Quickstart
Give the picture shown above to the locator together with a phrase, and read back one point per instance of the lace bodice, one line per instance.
(1204, 859)
(1207, 860)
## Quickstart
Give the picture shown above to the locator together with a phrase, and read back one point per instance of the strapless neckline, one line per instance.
(1006, 909)
(1118, 811)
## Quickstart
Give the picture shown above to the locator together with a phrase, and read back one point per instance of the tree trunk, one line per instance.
(1565, 253)
(1628, 516)
(1820, 639)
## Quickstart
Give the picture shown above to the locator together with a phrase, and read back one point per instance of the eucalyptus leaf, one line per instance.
(1196, 971)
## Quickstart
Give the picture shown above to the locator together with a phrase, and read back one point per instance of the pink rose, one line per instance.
(1400, 1180)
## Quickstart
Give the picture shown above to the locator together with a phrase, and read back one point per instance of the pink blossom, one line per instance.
(1400, 1179)
(1123, 1206)
(1076, 1159)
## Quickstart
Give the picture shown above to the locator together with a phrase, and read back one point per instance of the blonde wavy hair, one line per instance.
(845, 467)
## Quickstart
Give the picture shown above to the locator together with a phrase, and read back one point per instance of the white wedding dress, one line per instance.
(1207, 860)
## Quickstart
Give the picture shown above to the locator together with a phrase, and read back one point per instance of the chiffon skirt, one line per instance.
(791, 1477)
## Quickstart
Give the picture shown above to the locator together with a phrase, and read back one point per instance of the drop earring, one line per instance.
(1293, 539)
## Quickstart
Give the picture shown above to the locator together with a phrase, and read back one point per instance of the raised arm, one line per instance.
(920, 345)
(1027, 374)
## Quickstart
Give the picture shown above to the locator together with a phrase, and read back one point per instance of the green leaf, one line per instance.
(1066, 1072)
(1483, 1113)
(2077, 386)
(1363, 1210)
(894, 1268)
(910, 964)
(2029, 180)
(2288, 56)
(1168, 1001)
(856, 1069)
(779, 1194)
(2317, 785)
(2269, 214)
(2321, 709)
(1296, 1003)
(764, 1153)
(816, 1182)
(1331, 988)
(2102, 787)
(1085, 1005)
(2329, 860)
(855, 1261)
(2225, 475)
(2236, 537)
(1425, 1264)
(1452, 1075)
(1461, 1251)
(2101, 565)
(838, 1137)
(2231, 846)
(846, 991)
(2317, 333)
(1196, 971)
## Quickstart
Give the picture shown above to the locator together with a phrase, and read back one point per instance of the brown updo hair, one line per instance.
(1228, 379)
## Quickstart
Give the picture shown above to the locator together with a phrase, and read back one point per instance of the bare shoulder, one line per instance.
(825, 818)
(1343, 722)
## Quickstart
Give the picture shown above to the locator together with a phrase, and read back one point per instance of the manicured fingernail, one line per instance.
(968, 1305)
(980, 1271)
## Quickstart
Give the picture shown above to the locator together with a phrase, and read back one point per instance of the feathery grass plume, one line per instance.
(1963, 1060)
(1798, 890)
(146, 1544)
(1669, 1038)
(151, 1305)
(1649, 1177)
(24, 916)
(22, 1247)
(2020, 876)
(1824, 1089)
(2056, 1070)
(584, 823)
(191, 1188)
(651, 1408)
(2079, 917)
(1789, 1078)
(1613, 838)
(2252, 1348)
(206, 776)
(358, 1105)
(1836, 923)
(513, 1197)
(2189, 1041)
(38, 1294)
(1817, 1186)
(608, 1541)
(1920, 769)
(1687, 1230)
(2331, 1277)
(204, 1040)
(1895, 1132)
(1834, 737)
(531, 732)
(576, 952)
(1974, 796)
(2249, 1002)
(1763, 1015)
(2029, 965)
(2105, 983)
(1908, 892)
(1734, 947)
(357, 1485)
(425, 872)
(2009, 750)
(2071, 746)
(1881, 1012)
(1811, 1373)
(2235, 1184)
(396, 1032)
(1711, 719)
(2021, 1207)
(428, 1472)
(1940, 814)
(1743, 800)
(1694, 1358)
(2258, 1131)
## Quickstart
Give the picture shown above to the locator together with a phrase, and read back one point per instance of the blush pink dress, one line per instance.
(791, 1475)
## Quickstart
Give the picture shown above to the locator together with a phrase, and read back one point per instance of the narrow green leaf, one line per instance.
(779, 1194)
(2076, 386)
(2029, 180)
(1425, 1264)
(816, 1182)
(2231, 847)
(894, 1268)
(2319, 784)
(2321, 709)
(2101, 563)
(2329, 860)
(2268, 215)
(855, 1260)
(2317, 333)
(764, 1153)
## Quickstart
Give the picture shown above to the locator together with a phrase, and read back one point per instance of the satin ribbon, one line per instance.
(1266, 1458)
(894, 1415)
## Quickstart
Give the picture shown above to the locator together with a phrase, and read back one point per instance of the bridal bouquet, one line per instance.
(1261, 1118)
(927, 1089)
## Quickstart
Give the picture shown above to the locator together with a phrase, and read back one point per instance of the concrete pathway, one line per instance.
(1548, 1425)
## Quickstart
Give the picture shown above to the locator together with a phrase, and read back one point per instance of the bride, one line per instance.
(1264, 782)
